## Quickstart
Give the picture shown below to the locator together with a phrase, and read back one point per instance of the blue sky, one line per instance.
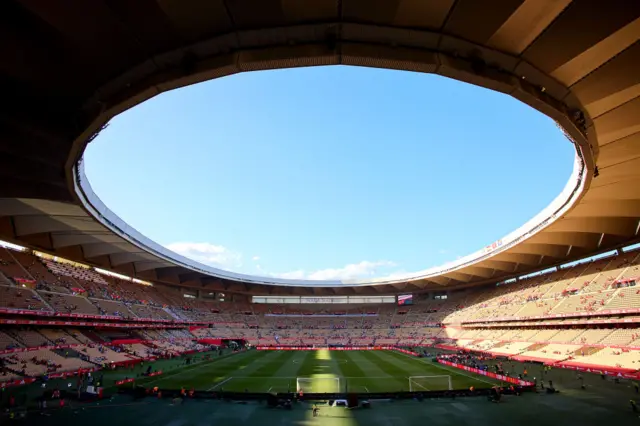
(328, 173)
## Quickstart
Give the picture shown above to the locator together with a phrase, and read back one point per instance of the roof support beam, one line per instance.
(146, 266)
(100, 249)
(74, 239)
(589, 76)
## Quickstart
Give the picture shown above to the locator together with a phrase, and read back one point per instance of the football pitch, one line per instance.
(319, 371)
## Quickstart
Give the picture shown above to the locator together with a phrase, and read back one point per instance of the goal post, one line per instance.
(430, 383)
(318, 384)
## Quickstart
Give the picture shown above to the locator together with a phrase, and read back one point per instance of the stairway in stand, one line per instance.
(93, 336)
(4, 280)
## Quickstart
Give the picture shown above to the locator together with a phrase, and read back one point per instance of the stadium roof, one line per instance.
(69, 66)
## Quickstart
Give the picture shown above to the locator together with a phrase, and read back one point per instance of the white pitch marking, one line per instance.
(220, 384)
(423, 387)
(453, 370)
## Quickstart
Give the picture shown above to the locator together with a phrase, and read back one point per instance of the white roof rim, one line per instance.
(559, 206)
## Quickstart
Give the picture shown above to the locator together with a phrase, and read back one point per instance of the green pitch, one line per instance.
(318, 371)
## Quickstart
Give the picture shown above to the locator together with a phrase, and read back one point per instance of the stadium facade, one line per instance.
(68, 71)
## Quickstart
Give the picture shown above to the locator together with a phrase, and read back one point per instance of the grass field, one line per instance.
(602, 401)
(319, 371)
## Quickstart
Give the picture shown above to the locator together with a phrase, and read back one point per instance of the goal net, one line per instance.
(318, 384)
(429, 383)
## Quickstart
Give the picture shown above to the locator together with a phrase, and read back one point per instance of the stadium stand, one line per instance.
(10, 267)
(22, 298)
(112, 308)
(7, 342)
(66, 303)
(143, 311)
(574, 314)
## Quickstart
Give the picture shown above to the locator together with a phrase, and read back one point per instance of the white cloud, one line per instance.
(443, 251)
(396, 276)
(364, 269)
(222, 257)
(209, 254)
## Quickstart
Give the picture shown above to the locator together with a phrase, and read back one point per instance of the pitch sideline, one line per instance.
(186, 368)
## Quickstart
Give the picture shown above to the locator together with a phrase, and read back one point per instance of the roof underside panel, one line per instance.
(67, 68)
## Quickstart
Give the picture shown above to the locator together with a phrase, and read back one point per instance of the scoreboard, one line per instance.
(405, 299)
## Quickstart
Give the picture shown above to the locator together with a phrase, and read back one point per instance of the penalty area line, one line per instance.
(453, 370)
(416, 383)
(219, 384)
